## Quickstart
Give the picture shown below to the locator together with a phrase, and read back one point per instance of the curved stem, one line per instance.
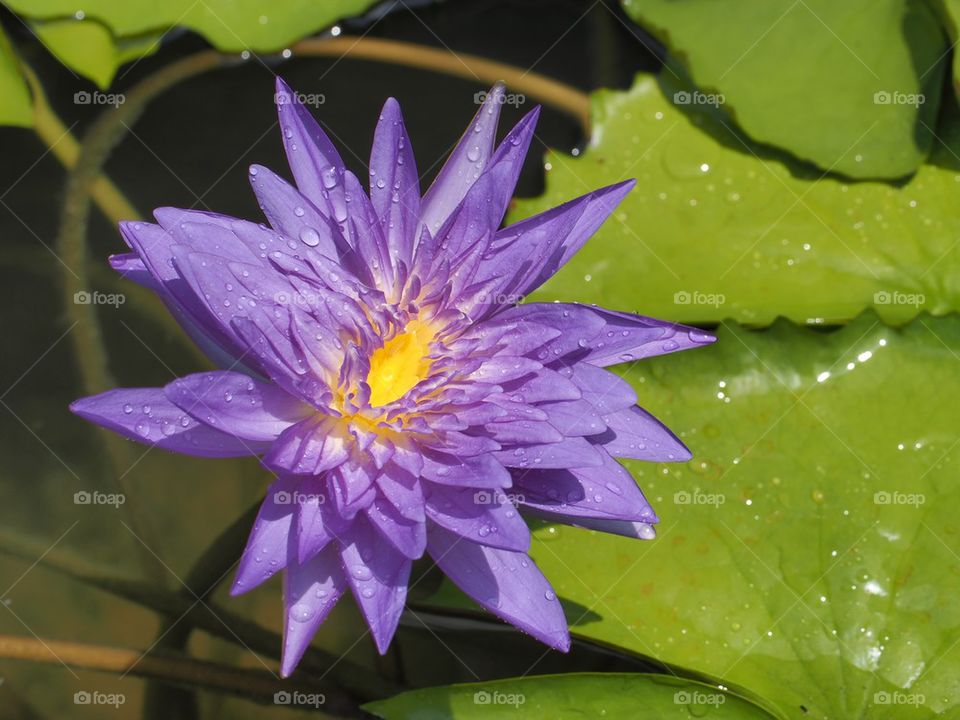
(171, 668)
(471, 67)
(64, 146)
(91, 356)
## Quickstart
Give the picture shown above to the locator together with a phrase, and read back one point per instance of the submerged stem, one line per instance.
(86, 335)
(172, 668)
(64, 146)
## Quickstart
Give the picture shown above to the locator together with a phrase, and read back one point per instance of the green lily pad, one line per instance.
(850, 86)
(229, 25)
(809, 554)
(719, 228)
(17, 107)
(587, 695)
(90, 49)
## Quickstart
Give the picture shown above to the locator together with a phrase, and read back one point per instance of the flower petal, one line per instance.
(269, 546)
(465, 163)
(479, 516)
(635, 433)
(378, 575)
(315, 163)
(310, 590)
(407, 536)
(309, 447)
(147, 416)
(237, 404)
(394, 184)
(608, 491)
(603, 337)
(479, 471)
(572, 452)
(506, 583)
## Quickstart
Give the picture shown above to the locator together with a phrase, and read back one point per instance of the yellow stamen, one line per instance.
(400, 364)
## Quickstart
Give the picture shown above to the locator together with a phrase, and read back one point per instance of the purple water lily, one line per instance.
(376, 357)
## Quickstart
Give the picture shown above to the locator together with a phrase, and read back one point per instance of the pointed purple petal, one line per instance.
(147, 416)
(310, 447)
(481, 471)
(407, 536)
(467, 160)
(315, 163)
(608, 491)
(310, 591)
(506, 583)
(378, 575)
(268, 548)
(237, 404)
(479, 516)
(394, 184)
(635, 433)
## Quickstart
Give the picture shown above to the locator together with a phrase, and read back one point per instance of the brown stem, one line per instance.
(471, 67)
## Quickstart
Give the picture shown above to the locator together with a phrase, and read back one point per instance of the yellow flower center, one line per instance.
(400, 364)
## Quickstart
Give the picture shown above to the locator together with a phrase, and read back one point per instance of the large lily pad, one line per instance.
(229, 25)
(851, 86)
(719, 228)
(587, 695)
(90, 49)
(810, 553)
